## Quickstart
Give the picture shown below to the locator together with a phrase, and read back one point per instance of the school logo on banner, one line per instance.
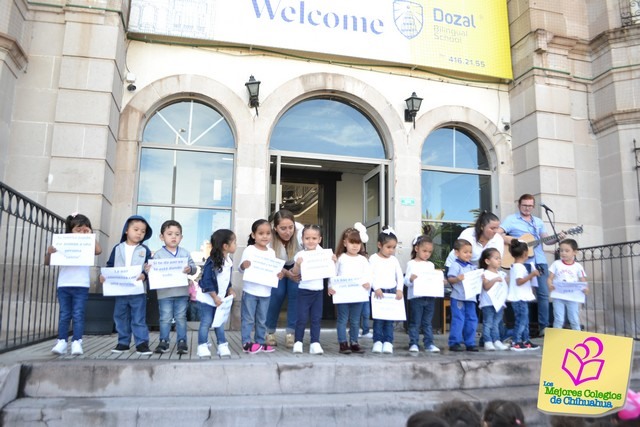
(408, 17)
(584, 373)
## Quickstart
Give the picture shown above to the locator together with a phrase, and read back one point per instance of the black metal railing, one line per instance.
(612, 304)
(28, 304)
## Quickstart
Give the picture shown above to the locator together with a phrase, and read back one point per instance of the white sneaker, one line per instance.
(76, 348)
(387, 348)
(203, 350)
(315, 348)
(432, 349)
(488, 346)
(60, 347)
(297, 347)
(414, 348)
(289, 340)
(223, 350)
(377, 347)
(499, 346)
(368, 335)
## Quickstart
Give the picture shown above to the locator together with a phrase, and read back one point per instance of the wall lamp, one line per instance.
(253, 87)
(413, 106)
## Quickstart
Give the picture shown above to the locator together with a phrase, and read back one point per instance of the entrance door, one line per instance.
(373, 191)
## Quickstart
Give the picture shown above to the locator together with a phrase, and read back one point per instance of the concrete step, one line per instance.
(283, 410)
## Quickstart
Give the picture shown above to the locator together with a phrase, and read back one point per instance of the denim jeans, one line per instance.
(289, 289)
(521, 327)
(73, 301)
(350, 313)
(366, 315)
(572, 310)
(254, 314)
(173, 308)
(129, 315)
(309, 308)
(491, 321)
(542, 295)
(464, 323)
(220, 337)
(420, 315)
(382, 330)
(207, 312)
(193, 311)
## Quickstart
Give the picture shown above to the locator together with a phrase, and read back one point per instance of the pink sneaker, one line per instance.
(267, 349)
(252, 348)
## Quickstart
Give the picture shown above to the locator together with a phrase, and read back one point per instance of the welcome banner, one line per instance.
(469, 36)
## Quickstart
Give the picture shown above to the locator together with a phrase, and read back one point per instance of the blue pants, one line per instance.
(366, 315)
(349, 313)
(73, 301)
(287, 288)
(491, 321)
(542, 295)
(571, 308)
(173, 308)
(207, 312)
(521, 327)
(129, 315)
(464, 323)
(309, 307)
(421, 314)
(254, 314)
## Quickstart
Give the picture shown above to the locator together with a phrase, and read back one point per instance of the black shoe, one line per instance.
(355, 348)
(182, 347)
(473, 348)
(528, 345)
(162, 347)
(456, 347)
(120, 348)
(143, 349)
(344, 348)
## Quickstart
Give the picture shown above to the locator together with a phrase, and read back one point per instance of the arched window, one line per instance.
(186, 171)
(456, 184)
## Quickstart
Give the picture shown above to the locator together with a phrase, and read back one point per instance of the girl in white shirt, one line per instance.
(493, 277)
(520, 294)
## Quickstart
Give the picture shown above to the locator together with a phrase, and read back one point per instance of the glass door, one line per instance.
(373, 190)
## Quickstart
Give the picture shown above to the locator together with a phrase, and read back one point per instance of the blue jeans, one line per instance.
(383, 330)
(491, 321)
(350, 313)
(366, 315)
(464, 323)
(207, 312)
(220, 337)
(73, 301)
(542, 295)
(173, 308)
(309, 308)
(521, 327)
(421, 314)
(572, 310)
(194, 311)
(289, 289)
(129, 315)
(254, 314)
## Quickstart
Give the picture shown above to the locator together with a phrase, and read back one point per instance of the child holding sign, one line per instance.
(387, 278)
(464, 320)
(173, 301)
(566, 269)
(73, 290)
(520, 294)
(493, 286)
(420, 307)
(216, 281)
(351, 264)
(255, 296)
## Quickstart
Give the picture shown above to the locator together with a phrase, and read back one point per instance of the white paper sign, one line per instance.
(264, 270)
(167, 273)
(122, 281)
(348, 290)
(317, 265)
(388, 307)
(569, 291)
(472, 283)
(498, 294)
(222, 312)
(73, 249)
(429, 284)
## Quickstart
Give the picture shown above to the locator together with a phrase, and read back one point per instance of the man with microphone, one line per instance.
(521, 223)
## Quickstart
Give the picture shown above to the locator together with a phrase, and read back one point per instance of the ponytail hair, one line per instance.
(503, 413)
(218, 239)
(76, 220)
(483, 219)
(486, 254)
(254, 227)
(517, 248)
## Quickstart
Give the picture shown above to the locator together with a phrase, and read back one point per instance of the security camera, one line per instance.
(506, 124)
(131, 87)
(131, 79)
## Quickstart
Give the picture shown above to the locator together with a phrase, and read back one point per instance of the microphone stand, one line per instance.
(555, 233)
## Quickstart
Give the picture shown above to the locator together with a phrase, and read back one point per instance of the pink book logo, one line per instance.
(581, 364)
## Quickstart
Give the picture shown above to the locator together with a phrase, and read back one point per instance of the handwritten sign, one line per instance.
(317, 265)
(222, 312)
(122, 281)
(388, 308)
(73, 249)
(348, 290)
(167, 273)
(584, 373)
(569, 291)
(429, 284)
(498, 295)
(264, 270)
(472, 283)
